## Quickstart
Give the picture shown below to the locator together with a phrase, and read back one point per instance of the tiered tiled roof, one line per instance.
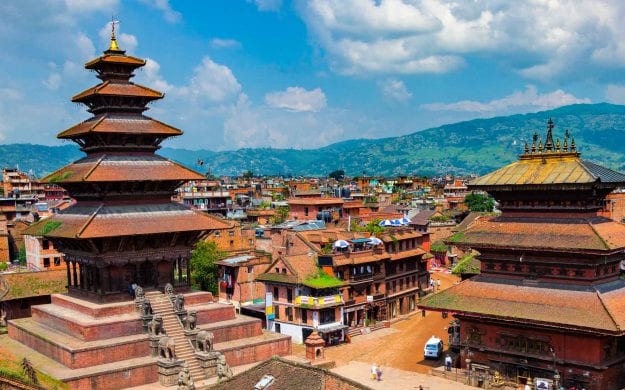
(115, 168)
(589, 234)
(594, 308)
(115, 88)
(127, 124)
(100, 220)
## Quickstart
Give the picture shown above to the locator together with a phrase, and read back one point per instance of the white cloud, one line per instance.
(267, 5)
(213, 82)
(615, 94)
(150, 76)
(297, 99)
(220, 43)
(519, 101)
(53, 82)
(394, 89)
(170, 15)
(85, 6)
(538, 39)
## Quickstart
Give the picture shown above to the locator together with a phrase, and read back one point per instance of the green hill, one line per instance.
(475, 146)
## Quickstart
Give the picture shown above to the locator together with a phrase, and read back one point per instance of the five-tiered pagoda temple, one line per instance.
(124, 229)
(549, 305)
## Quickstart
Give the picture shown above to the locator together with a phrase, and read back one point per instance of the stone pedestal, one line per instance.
(168, 371)
(154, 345)
(208, 362)
(145, 320)
(192, 335)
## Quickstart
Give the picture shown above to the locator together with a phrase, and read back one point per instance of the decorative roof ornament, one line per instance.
(565, 147)
(558, 145)
(527, 148)
(540, 146)
(534, 139)
(113, 47)
(573, 145)
(549, 139)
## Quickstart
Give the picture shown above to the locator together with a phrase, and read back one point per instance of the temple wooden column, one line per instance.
(69, 275)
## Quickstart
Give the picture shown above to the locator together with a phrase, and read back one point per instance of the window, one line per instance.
(217, 234)
(289, 295)
(231, 233)
(250, 241)
(326, 316)
(306, 211)
(289, 313)
(250, 269)
(276, 294)
(57, 261)
(284, 270)
(304, 316)
(276, 311)
(277, 270)
(46, 262)
(231, 242)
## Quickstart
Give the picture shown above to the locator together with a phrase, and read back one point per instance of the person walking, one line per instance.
(378, 373)
(374, 371)
(438, 283)
(448, 363)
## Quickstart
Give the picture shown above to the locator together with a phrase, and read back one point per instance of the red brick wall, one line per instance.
(94, 310)
(213, 313)
(81, 358)
(117, 380)
(87, 332)
(237, 331)
(257, 352)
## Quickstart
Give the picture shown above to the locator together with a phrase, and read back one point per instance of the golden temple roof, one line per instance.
(553, 163)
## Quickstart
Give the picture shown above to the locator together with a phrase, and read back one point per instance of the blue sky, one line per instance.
(303, 74)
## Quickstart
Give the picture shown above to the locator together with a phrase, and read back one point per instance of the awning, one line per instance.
(332, 328)
(359, 240)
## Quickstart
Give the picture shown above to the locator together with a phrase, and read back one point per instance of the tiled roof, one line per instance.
(288, 374)
(546, 169)
(410, 253)
(122, 89)
(93, 221)
(32, 284)
(115, 59)
(593, 234)
(105, 168)
(315, 201)
(126, 124)
(599, 309)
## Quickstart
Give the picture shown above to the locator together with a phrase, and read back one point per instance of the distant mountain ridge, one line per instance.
(475, 146)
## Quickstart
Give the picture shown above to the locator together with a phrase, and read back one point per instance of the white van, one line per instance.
(433, 348)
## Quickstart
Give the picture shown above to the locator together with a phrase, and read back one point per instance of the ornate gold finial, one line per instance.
(534, 139)
(540, 146)
(565, 148)
(527, 148)
(558, 145)
(549, 140)
(113, 45)
(573, 145)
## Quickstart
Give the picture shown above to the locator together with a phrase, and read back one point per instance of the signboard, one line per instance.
(269, 306)
(542, 384)
(369, 298)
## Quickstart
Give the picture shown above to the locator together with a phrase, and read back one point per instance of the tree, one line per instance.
(282, 213)
(21, 255)
(479, 202)
(204, 270)
(248, 174)
(339, 174)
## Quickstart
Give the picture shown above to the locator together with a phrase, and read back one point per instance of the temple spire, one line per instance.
(549, 140)
(113, 47)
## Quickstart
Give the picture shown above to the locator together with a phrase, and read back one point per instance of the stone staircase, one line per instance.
(162, 305)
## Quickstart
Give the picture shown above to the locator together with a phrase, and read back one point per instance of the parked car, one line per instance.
(433, 348)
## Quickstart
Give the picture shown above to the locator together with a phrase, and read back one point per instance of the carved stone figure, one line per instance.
(167, 348)
(139, 293)
(155, 327)
(189, 320)
(169, 289)
(179, 303)
(223, 370)
(204, 341)
(146, 308)
(185, 381)
(497, 380)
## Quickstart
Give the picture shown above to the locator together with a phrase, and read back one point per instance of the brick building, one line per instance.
(41, 254)
(549, 301)
(237, 278)
(300, 298)
(327, 209)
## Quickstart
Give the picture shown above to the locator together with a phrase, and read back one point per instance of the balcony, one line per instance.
(361, 278)
(319, 302)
